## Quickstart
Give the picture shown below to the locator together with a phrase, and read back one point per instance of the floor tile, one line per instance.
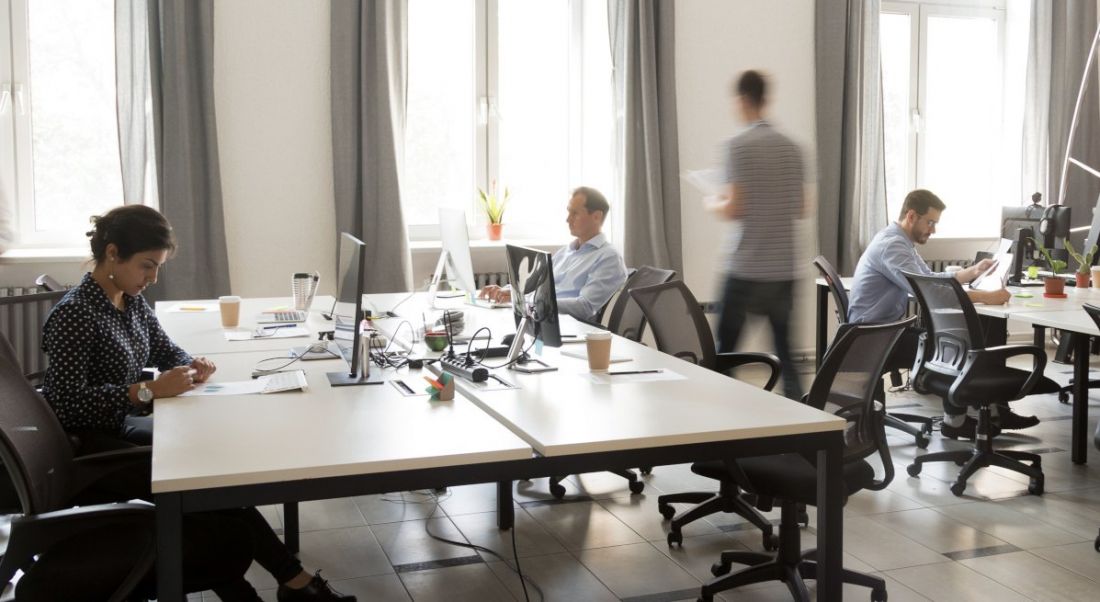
(396, 507)
(1081, 558)
(408, 542)
(559, 576)
(583, 525)
(377, 588)
(636, 569)
(468, 583)
(639, 512)
(532, 539)
(327, 514)
(344, 553)
(698, 553)
(1009, 525)
(600, 485)
(877, 502)
(936, 531)
(952, 581)
(884, 548)
(1035, 577)
(469, 499)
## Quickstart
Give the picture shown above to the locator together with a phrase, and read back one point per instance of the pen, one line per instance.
(192, 308)
(274, 326)
(634, 372)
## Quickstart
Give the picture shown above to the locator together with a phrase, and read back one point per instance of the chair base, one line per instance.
(983, 455)
(636, 484)
(727, 500)
(790, 565)
(901, 422)
(1064, 392)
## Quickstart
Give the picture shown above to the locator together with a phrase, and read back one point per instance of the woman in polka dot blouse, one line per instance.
(102, 335)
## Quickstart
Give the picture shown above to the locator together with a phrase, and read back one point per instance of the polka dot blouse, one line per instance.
(97, 351)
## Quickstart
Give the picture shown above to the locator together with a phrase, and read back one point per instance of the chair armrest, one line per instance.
(89, 469)
(34, 534)
(994, 357)
(883, 453)
(728, 361)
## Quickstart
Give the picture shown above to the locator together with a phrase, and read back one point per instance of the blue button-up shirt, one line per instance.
(586, 276)
(880, 292)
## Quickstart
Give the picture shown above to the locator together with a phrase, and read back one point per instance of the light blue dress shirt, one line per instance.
(880, 292)
(586, 276)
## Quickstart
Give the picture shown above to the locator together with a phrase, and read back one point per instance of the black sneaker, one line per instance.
(968, 430)
(317, 590)
(1011, 421)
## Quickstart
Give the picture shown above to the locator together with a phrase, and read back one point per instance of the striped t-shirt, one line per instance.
(767, 168)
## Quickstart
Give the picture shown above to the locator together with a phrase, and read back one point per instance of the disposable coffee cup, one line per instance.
(598, 346)
(230, 306)
(1095, 276)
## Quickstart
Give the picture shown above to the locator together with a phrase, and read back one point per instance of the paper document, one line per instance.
(272, 383)
(582, 354)
(995, 278)
(192, 308)
(282, 332)
(711, 182)
(618, 377)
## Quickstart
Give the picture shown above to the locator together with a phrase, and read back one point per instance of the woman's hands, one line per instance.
(204, 368)
(173, 382)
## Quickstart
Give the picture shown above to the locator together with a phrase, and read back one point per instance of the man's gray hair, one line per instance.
(594, 200)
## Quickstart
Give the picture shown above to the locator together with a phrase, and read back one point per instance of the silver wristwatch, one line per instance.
(144, 394)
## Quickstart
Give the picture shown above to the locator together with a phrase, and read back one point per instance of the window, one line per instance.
(516, 93)
(59, 156)
(952, 78)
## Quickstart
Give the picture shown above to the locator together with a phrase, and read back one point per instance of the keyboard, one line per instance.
(487, 304)
(284, 381)
(288, 316)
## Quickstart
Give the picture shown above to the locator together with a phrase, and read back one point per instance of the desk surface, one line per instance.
(1074, 320)
(203, 442)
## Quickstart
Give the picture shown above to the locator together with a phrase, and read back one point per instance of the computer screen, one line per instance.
(1094, 232)
(348, 306)
(533, 295)
(1014, 218)
(456, 242)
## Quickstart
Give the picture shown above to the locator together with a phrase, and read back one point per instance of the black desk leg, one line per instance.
(169, 547)
(822, 323)
(506, 513)
(830, 520)
(290, 527)
(1040, 337)
(1079, 452)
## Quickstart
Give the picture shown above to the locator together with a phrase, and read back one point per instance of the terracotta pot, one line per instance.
(494, 231)
(1054, 285)
(1082, 280)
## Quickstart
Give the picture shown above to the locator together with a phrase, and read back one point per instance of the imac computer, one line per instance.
(454, 258)
(347, 309)
(535, 305)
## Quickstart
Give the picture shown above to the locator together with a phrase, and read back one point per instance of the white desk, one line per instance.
(201, 333)
(370, 438)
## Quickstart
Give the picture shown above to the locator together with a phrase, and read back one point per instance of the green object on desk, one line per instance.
(1023, 295)
(1033, 304)
(1033, 272)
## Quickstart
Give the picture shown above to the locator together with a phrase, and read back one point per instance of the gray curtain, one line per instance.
(851, 173)
(1061, 35)
(642, 44)
(369, 82)
(178, 78)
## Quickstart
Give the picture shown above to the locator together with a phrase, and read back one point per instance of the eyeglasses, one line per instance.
(931, 223)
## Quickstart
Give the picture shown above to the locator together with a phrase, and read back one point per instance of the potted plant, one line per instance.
(1084, 263)
(1053, 285)
(494, 208)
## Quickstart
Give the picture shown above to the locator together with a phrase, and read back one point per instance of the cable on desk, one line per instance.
(318, 347)
(480, 361)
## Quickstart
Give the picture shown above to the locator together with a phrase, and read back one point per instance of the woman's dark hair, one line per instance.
(132, 229)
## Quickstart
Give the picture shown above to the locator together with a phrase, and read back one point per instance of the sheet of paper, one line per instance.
(192, 308)
(996, 276)
(708, 181)
(581, 353)
(610, 378)
(244, 387)
(285, 332)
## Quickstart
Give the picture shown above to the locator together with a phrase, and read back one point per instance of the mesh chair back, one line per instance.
(950, 320)
(33, 446)
(836, 287)
(679, 326)
(846, 383)
(627, 319)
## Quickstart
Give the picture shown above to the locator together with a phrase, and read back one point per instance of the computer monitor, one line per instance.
(534, 303)
(454, 258)
(1094, 232)
(348, 309)
(1049, 226)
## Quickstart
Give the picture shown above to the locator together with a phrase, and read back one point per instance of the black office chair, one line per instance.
(896, 420)
(626, 320)
(963, 373)
(21, 320)
(598, 321)
(681, 329)
(845, 386)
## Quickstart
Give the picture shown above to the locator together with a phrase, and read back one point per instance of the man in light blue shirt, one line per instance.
(588, 271)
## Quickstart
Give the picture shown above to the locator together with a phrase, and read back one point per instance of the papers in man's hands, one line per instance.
(708, 181)
(272, 383)
(995, 278)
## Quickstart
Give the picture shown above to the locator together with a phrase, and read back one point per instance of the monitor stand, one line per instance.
(353, 377)
(437, 278)
(518, 360)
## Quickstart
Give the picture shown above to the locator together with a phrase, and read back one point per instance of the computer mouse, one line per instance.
(507, 340)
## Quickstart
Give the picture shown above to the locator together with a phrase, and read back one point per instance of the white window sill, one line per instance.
(44, 255)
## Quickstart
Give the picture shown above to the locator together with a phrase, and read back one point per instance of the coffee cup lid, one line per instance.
(599, 335)
(229, 298)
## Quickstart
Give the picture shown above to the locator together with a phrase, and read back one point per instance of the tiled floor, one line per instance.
(995, 543)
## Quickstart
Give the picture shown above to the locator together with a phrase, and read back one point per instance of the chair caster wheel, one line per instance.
(1035, 486)
(720, 568)
(803, 518)
(1096, 544)
(771, 543)
(878, 595)
(666, 511)
(958, 488)
(557, 490)
(646, 470)
(675, 538)
(1063, 397)
(637, 486)
(922, 441)
(913, 469)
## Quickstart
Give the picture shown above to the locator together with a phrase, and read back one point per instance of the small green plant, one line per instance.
(1056, 265)
(1084, 261)
(493, 205)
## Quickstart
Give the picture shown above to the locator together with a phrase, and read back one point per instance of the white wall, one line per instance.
(715, 41)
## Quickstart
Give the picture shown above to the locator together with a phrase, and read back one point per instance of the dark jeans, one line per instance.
(773, 300)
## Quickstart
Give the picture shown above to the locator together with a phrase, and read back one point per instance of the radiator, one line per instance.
(483, 279)
(940, 265)
(23, 312)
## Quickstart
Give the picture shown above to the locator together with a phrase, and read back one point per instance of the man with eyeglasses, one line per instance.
(880, 293)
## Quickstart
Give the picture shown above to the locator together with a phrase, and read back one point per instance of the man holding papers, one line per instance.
(880, 293)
